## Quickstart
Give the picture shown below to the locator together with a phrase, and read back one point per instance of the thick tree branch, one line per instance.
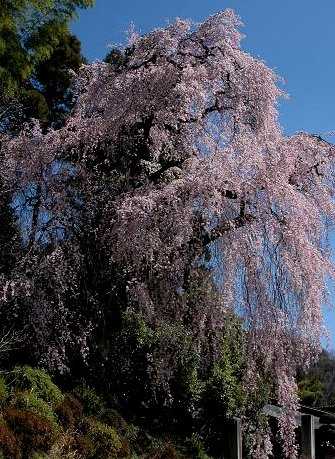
(208, 236)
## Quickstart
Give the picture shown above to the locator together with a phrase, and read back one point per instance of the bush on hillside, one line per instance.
(92, 403)
(28, 401)
(69, 411)
(38, 382)
(9, 447)
(33, 432)
(105, 440)
(3, 389)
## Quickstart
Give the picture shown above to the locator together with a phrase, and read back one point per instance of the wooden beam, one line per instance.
(307, 437)
(233, 439)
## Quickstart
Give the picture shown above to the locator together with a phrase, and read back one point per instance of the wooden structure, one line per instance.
(308, 419)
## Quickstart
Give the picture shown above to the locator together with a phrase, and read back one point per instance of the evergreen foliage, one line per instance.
(317, 385)
(30, 31)
(37, 53)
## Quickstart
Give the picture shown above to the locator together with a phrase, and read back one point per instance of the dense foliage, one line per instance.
(173, 241)
(36, 53)
(317, 384)
(38, 420)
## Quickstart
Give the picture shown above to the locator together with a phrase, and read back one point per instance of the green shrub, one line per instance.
(144, 442)
(3, 389)
(33, 432)
(39, 455)
(39, 383)
(69, 411)
(92, 403)
(70, 445)
(114, 419)
(83, 446)
(28, 401)
(224, 387)
(196, 447)
(125, 450)
(9, 448)
(311, 390)
(131, 434)
(105, 440)
(164, 451)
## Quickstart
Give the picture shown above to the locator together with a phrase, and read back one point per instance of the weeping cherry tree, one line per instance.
(173, 159)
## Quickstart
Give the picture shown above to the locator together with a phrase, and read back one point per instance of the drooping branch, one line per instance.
(208, 236)
(35, 215)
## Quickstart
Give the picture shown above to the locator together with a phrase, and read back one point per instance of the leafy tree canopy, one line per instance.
(31, 33)
(317, 385)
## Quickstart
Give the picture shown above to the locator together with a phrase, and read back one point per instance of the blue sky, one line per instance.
(294, 37)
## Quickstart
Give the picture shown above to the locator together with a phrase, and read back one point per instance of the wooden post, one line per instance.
(307, 437)
(233, 440)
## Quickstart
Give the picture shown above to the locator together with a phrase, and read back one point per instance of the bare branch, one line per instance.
(10, 340)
